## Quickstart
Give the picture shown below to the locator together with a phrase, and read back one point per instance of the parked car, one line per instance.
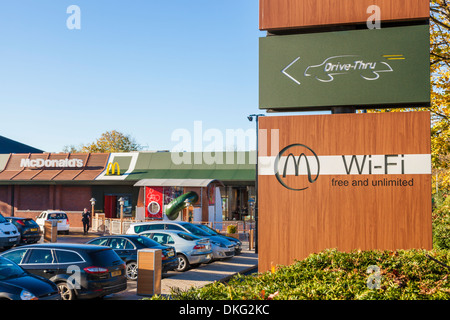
(191, 250)
(9, 235)
(18, 284)
(237, 242)
(29, 230)
(222, 248)
(127, 246)
(80, 271)
(60, 216)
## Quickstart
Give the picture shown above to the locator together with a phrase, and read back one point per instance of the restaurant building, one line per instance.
(33, 182)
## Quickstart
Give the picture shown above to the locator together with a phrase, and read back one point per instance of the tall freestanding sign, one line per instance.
(345, 181)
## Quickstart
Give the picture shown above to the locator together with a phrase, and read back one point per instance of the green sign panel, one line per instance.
(379, 68)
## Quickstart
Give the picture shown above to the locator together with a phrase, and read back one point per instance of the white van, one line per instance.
(9, 235)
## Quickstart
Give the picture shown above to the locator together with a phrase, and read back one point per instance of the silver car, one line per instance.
(191, 250)
(222, 248)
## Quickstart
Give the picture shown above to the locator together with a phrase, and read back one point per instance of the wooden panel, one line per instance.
(371, 215)
(286, 14)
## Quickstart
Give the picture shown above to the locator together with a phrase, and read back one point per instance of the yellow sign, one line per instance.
(112, 168)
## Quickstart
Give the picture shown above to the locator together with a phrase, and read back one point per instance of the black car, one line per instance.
(28, 228)
(18, 284)
(80, 271)
(127, 247)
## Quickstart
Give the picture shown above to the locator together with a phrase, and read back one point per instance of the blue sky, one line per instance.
(143, 67)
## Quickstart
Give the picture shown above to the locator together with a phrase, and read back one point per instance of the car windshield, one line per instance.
(24, 222)
(57, 216)
(2, 219)
(9, 269)
(186, 236)
(146, 242)
(105, 258)
(207, 229)
(195, 230)
(29, 223)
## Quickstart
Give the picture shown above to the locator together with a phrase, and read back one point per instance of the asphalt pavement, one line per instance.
(205, 274)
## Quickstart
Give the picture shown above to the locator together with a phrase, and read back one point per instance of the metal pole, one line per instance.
(256, 187)
(250, 118)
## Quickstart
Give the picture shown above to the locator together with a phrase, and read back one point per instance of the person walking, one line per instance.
(86, 219)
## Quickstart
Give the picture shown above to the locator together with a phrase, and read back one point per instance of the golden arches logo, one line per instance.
(112, 168)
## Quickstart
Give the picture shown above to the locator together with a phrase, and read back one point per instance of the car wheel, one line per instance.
(132, 270)
(183, 263)
(65, 291)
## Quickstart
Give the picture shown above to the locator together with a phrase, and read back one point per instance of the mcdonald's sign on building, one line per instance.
(344, 181)
(113, 168)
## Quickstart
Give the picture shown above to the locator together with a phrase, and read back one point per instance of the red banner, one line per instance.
(154, 202)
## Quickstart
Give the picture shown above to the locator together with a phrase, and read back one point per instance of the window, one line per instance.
(145, 227)
(188, 237)
(16, 256)
(121, 244)
(57, 216)
(40, 256)
(9, 270)
(99, 241)
(170, 240)
(195, 230)
(173, 227)
(163, 238)
(64, 256)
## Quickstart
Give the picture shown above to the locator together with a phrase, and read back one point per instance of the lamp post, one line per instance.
(92, 210)
(250, 118)
(121, 202)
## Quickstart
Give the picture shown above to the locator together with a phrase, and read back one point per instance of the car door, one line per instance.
(123, 247)
(40, 220)
(41, 262)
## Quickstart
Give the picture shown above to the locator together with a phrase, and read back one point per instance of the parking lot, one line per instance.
(196, 277)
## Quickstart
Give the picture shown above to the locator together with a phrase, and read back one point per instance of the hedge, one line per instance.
(334, 275)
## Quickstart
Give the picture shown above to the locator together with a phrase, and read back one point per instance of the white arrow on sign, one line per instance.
(288, 75)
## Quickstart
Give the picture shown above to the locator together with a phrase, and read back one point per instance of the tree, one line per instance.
(440, 94)
(110, 141)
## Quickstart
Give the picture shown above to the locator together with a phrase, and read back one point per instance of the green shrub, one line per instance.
(441, 223)
(231, 228)
(334, 275)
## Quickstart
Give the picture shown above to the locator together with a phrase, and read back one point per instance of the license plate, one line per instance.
(116, 273)
(59, 221)
(170, 254)
(12, 239)
(34, 229)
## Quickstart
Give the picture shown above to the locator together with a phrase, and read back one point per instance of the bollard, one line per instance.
(149, 272)
(250, 241)
(50, 231)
